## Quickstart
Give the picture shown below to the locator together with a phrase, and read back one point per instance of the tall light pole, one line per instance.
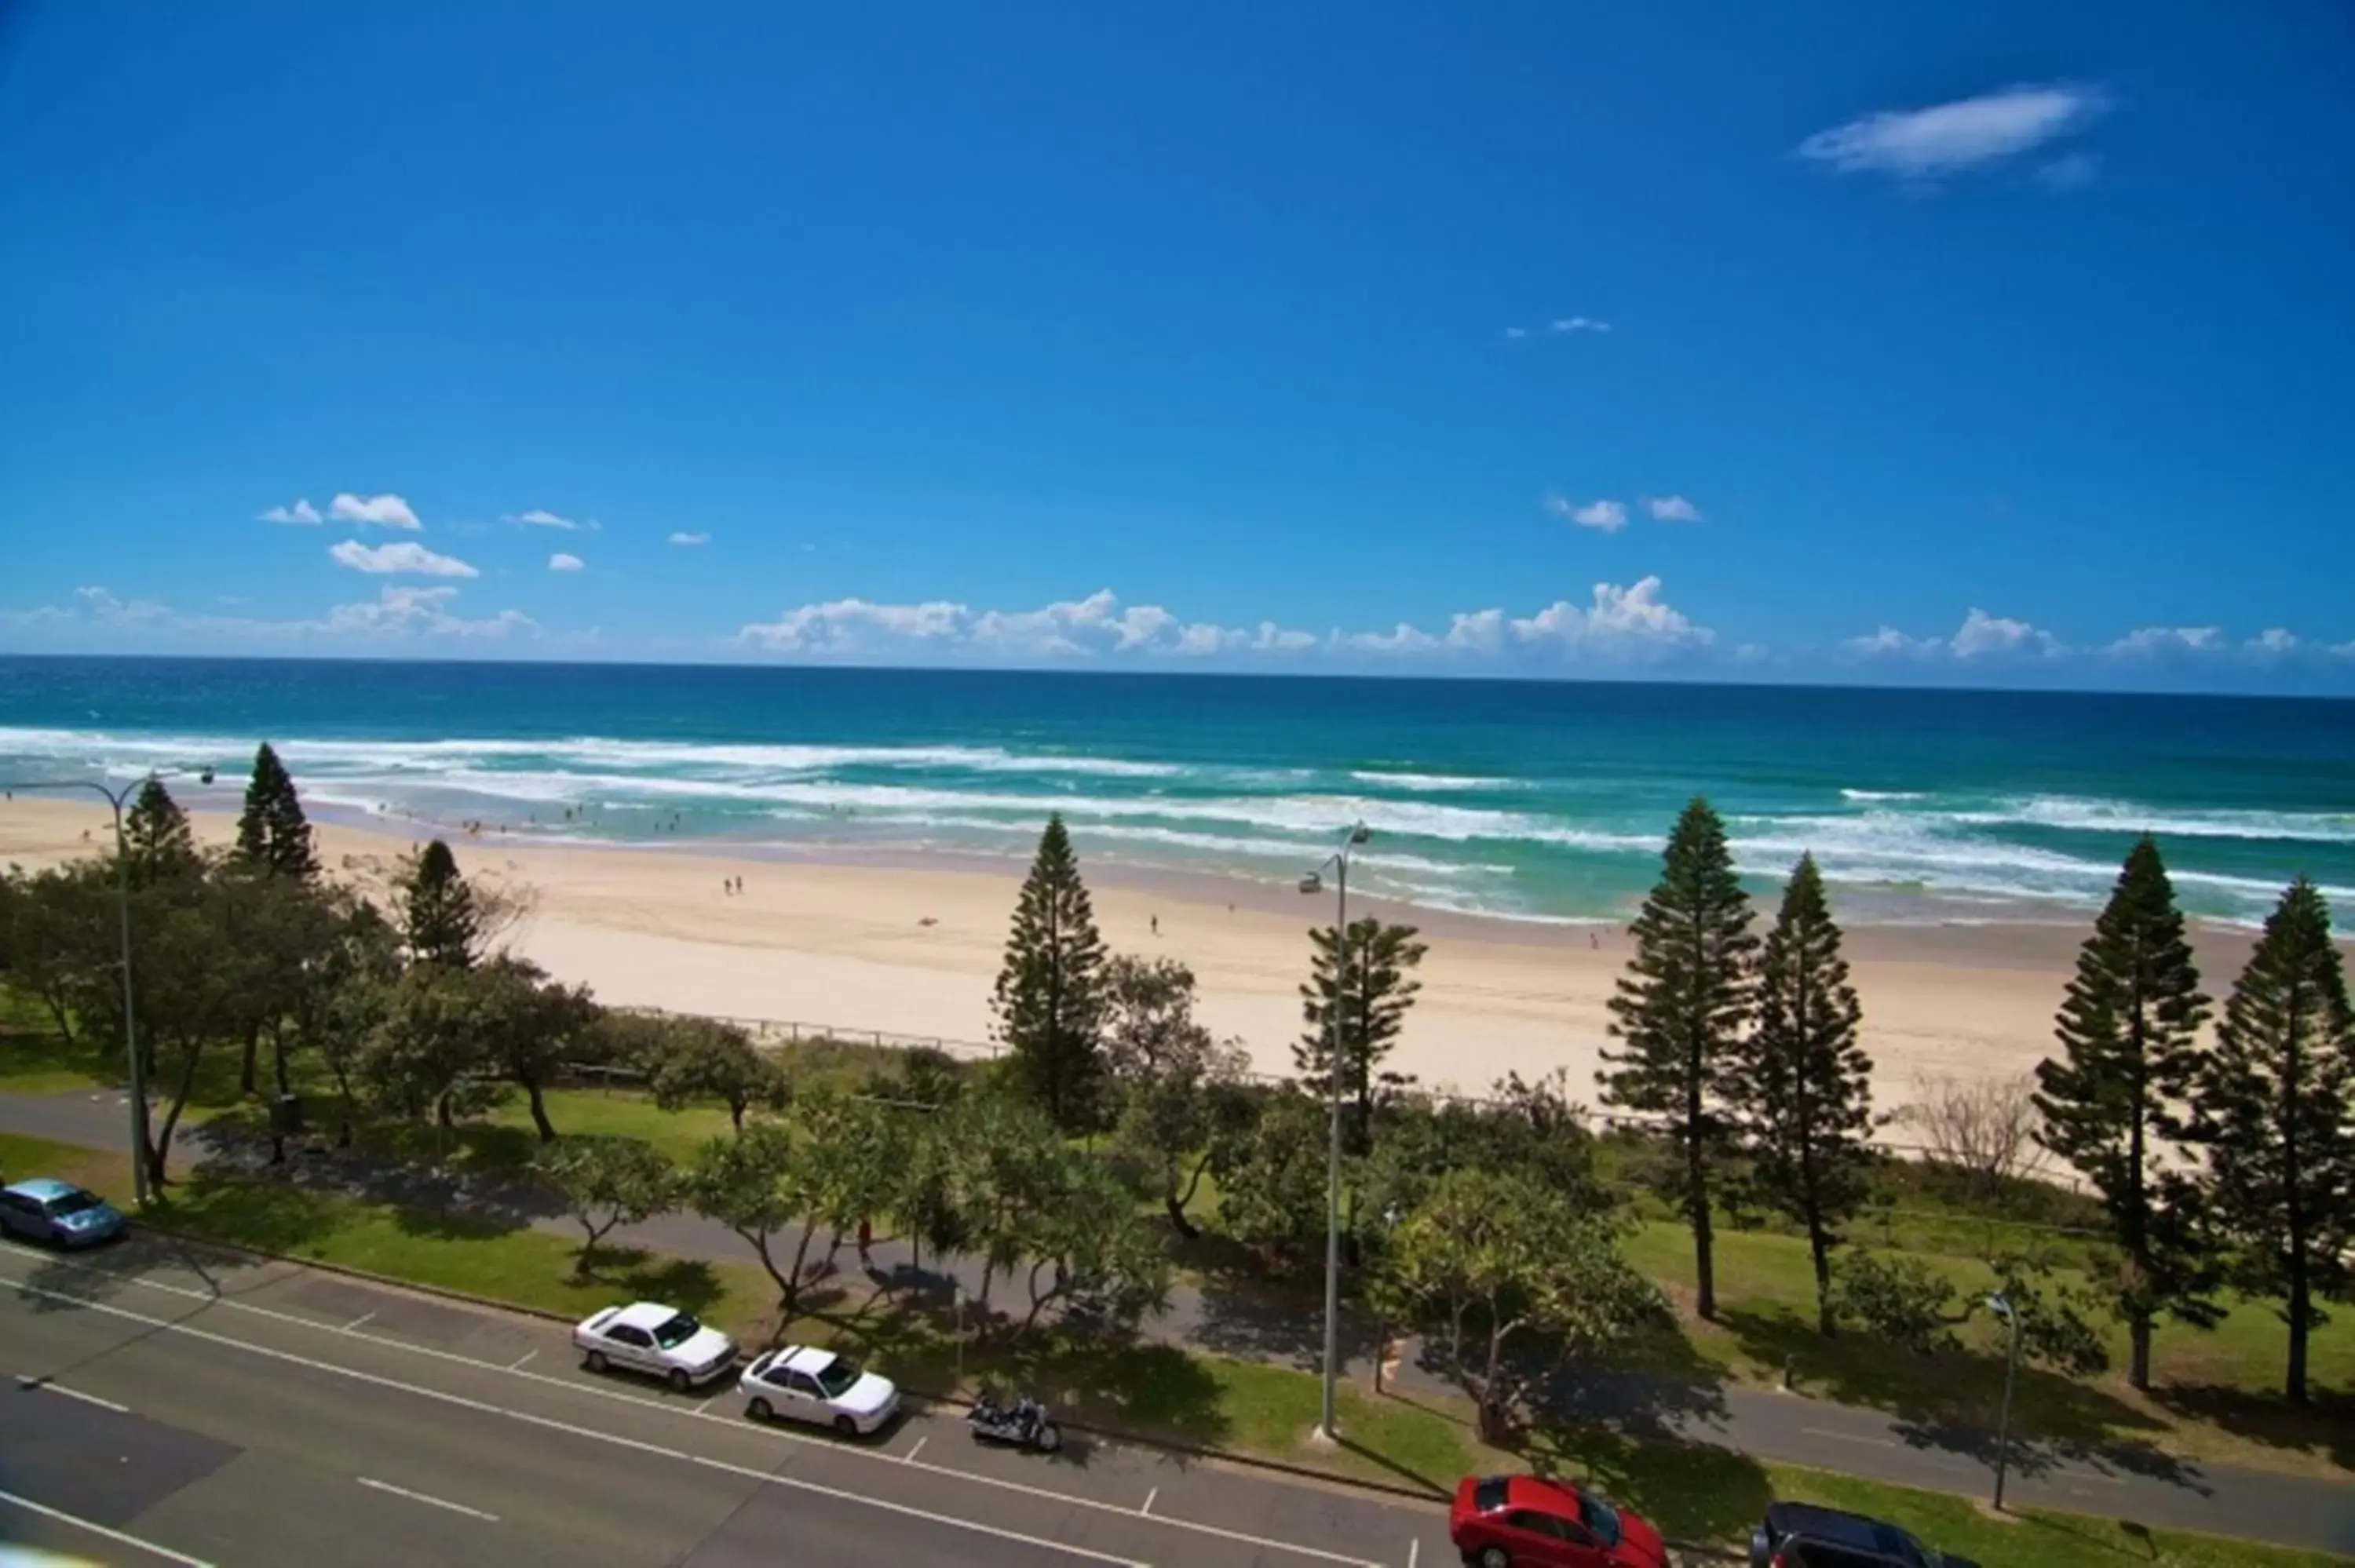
(117, 799)
(2001, 1307)
(1312, 884)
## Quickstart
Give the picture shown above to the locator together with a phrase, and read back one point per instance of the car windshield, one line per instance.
(677, 1332)
(1489, 1495)
(836, 1377)
(1600, 1519)
(71, 1204)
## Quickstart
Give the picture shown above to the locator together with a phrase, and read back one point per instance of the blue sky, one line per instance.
(2008, 345)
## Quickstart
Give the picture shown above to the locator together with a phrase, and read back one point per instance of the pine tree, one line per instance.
(271, 830)
(1801, 1087)
(1049, 1001)
(155, 835)
(2274, 1108)
(1682, 1010)
(1371, 985)
(440, 921)
(2129, 1033)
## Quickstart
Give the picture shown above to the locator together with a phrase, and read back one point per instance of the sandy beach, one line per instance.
(912, 948)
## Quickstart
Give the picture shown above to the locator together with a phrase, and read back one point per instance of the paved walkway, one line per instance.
(2120, 1482)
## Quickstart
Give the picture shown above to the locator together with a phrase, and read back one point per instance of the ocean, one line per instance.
(1529, 800)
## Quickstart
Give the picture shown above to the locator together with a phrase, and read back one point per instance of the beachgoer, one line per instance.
(1157, 925)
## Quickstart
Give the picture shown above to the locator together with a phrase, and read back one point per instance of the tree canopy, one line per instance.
(1049, 999)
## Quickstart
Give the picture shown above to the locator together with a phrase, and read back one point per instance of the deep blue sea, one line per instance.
(1532, 801)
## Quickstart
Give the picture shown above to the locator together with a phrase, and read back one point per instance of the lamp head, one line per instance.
(2000, 1306)
(1360, 835)
(1312, 882)
(205, 776)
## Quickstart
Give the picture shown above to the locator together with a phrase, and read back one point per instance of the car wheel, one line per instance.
(678, 1380)
(844, 1426)
(1048, 1438)
(761, 1410)
(595, 1361)
(1494, 1557)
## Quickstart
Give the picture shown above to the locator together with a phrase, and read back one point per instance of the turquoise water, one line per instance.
(1532, 800)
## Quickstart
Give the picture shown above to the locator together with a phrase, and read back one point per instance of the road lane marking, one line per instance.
(166, 1553)
(1148, 1500)
(41, 1384)
(1848, 1436)
(778, 1434)
(421, 1497)
(1414, 1550)
(916, 1450)
(517, 1366)
(614, 1439)
(360, 1320)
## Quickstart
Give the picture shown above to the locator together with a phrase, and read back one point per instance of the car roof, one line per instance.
(646, 1314)
(804, 1359)
(1837, 1528)
(44, 1188)
(1543, 1494)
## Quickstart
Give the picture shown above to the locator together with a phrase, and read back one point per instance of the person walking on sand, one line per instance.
(1157, 925)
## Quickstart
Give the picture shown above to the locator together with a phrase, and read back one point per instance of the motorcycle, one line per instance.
(1021, 1423)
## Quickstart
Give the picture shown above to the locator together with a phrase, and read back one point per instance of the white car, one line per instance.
(647, 1337)
(803, 1383)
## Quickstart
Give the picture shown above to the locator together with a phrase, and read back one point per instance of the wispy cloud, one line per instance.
(540, 517)
(1561, 326)
(2069, 172)
(1982, 634)
(384, 511)
(564, 561)
(2275, 639)
(1889, 641)
(398, 613)
(1671, 509)
(1606, 516)
(301, 511)
(2158, 640)
(1923, 145)
(403, 557)
(686, 538)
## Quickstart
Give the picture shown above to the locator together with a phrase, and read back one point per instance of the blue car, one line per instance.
(58, 1212)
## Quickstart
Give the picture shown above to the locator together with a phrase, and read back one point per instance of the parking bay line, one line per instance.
(485, 1407)
(166, 1553)
(422, 1497)
(43, 1385)
(829, 1445)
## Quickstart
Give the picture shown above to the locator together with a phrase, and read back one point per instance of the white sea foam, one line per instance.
(1431, 781)
(1874, 795)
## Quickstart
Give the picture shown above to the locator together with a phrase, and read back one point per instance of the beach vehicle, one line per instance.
(1020, 1421)
(1801, 1535)
(58, 1213)
(1530, 1522)
(801, 1382)
(657, 1340)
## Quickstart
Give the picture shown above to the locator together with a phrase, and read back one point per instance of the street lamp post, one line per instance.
(116, 798)
(1312, 884)
(2001, 1305)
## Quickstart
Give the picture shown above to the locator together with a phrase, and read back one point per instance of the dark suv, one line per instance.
(1801, 1535)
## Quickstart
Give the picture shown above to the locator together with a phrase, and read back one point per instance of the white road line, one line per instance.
(707, 1405)
(421, 1497)
(779, 1434)
(1148, 1500)
(1414, 1550)
(166, 1553)
(45, 1385)
(1848, 1436)
(916, 1450)
(358, 1320)
(613, 1439)
(517, 1366)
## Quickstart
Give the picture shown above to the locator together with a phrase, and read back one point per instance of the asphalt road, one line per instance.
(162, 1407)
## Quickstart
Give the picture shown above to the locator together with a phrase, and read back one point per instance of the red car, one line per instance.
(1528, 1522)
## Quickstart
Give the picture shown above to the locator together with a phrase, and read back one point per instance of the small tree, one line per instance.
(1504, 1258)
(2129, 1036)
(1682, 1010)
(271, 830)
(1272, 1176)
(690, 1059)
(1800, 1086)
(2274, 1110)
(1985, 1129)
(1366, 979)
(754, 1184)
(606, 1182)
(1049, 1002)
(527, 1026)
(426, 1054)
(157, 837)
(440, 922)
(1176, 1084)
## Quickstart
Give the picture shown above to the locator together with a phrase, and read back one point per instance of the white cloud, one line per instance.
(540, 517)
(844, 625)
(1981, 634)
(2274, 640)
(564, 561)
(2152, 639)
(1274, 639)
(398, 612)
(384, 511)
(301, 511)
(1671, 509)
(1406, 639)
(1619, 620)
(686, 538)
(1890, 640)
(1609, 516)
(404, 556)
(1927, 145)
(2069, 172)
(1565, 324)
(415, 611)
(1515, 335)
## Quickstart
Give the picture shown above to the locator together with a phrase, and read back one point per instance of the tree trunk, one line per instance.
(245, 1072)
(1697, 1207)
(540, 1111)
(587, 1248)
(159, 1153)
(1186, 1228)
(442, 1111)
(1820, 1245)
(2139, 1360)
(2301, 1319)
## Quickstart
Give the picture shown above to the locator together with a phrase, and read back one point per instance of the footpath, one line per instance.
(2119, 1482)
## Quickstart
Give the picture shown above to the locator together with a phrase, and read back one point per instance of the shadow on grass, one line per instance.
(2326, 1426)
(1693, 1491)
(690, 1283)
